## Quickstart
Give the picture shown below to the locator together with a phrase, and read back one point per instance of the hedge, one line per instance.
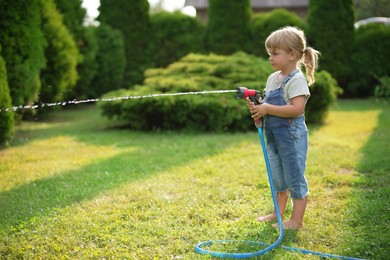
(212, 112)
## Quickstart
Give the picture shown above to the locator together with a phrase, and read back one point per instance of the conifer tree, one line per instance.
(132, 19)
(22, 48)
(331, 31)
(6, 117)
(228, 26)
(61, 53)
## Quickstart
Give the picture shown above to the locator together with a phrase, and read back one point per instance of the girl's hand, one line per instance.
(257, 111)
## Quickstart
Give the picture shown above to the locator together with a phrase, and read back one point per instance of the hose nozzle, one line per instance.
(243, 93)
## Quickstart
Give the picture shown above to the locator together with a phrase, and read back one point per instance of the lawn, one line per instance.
(73, 185)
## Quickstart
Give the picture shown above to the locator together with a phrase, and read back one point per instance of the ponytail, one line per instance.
(310, 60)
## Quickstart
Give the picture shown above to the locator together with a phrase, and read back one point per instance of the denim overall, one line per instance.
(287, 144)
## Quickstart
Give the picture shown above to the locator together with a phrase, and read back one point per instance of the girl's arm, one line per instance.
(295, 109)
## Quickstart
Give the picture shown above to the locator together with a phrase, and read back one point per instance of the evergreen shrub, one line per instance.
(132, 19)
(173, 35)
(324, 93)
(382, 90)
(370, 59)
(110, 61)
(22, 48)
(228, 26)
(61, 52)
(6, 117)
(331, 31)
(211, 112)
(263, 24)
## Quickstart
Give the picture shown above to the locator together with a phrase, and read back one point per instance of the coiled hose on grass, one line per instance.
(200, 247)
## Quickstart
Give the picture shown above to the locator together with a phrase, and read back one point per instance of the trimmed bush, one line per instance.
(211, 112)
(324, 93)
(370, 59)
(263, 24)
(6, 117)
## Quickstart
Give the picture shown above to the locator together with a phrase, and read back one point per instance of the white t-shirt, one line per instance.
(296, 86)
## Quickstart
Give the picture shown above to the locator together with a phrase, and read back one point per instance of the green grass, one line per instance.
(73, 186)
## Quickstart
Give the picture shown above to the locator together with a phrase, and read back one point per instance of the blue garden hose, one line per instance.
(199, 247)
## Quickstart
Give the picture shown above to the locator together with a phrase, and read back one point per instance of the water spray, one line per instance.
(94, 100)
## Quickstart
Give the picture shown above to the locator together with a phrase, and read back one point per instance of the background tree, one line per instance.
(372, 8)
(263, 24)
(22, 42)
(74, 14)
(61, 53)
(370, 59)
(87, 66)
(331, 32)
(228, 26)
(110, 61)
(132, 19)
(6, 117)
(173, 35)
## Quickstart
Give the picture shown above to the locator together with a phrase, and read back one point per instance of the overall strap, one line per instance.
(288, 77)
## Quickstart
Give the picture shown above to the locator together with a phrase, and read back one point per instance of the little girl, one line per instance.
(286, 94)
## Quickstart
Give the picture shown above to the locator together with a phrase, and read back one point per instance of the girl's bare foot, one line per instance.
(267, 218)
(290, 225)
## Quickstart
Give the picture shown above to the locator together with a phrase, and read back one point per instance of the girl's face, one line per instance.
(280, 59)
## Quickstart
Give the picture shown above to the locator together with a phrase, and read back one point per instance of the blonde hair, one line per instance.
(293, 39)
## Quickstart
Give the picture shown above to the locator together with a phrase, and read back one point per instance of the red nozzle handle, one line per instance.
(243, 92)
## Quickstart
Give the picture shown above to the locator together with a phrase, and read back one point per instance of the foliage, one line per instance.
(330, 31)
(87, 68)
(22, 48)
(382, 90)
(370, 59)
(73, 14)
(324, 94)
(110, 61)
(228, 26)
(61, 53)
(173, 35)
(132, 19)
(263, 24)
(372, 8)
(6, 117)
(197, 72)
(73, 17)
(73, 187)
(194, 72)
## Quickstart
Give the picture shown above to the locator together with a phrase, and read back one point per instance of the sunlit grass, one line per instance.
(85, 190)
(43, 158)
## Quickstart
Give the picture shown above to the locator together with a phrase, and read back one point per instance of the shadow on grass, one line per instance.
(152, 154)
(369, 228)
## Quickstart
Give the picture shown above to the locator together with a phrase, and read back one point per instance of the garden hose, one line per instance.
(243, 93)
